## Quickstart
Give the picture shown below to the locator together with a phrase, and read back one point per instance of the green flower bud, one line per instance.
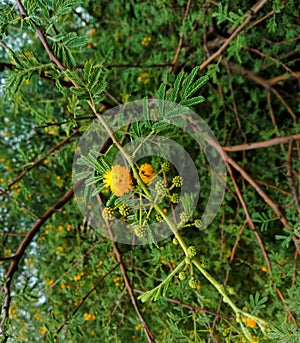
(175, 241)
(184, 217)
(160, 187)
(124, 210)
(141, 231)
(191, 251)
(159, 218)
(192, 283)
(108, 213)
(177, 181)
(197, 223)
(165, 167)
(182, 276)
(175, 198)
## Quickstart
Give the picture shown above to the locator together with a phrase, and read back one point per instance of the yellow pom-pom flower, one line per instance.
(146, 173)
(118, 179)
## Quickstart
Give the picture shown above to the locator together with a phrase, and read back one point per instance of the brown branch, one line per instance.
(249, 220)
(177, 52)
(273, 187)
(5, 311)
(262, 19)
(285, 105)
(22, 248)
(261, 244)
(129, 289)
(289, 313)
(254, 9)
(264, 144)
(24, 172)
(12, 234)
(290, 177)
(271, 112)
(266, 198)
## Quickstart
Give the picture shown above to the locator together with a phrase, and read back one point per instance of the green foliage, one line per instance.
(69, 285)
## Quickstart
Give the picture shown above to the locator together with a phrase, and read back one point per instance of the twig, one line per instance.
(129, 289)
(49, 152)
(22, 248)
(116, 306)
(252, 12)
(102, 277)
(289, 313)
(261, 244)
(20, 204)
(263, 144)
(290, 177)
(285, 105)
(249, 220)
(175, 58)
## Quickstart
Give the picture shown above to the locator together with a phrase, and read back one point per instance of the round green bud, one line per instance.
(184, 217)
(192, 283)
(191, 251)
(175, 241)
(124, 210)
(159, 218)
(177, 181)
(108, 213)
(182, 276)
(160, 187)
(141, 231)
(165, 167)
(197, 223)
(175, 198)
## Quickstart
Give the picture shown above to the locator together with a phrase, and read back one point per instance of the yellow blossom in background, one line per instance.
(78, 277)
(144, 78)
(44, 330)
(138, 327)
(49, 282)
(146, 41)
(146, 172)
(263, 268)
(118, 179)
(93, 30)
(89, 316)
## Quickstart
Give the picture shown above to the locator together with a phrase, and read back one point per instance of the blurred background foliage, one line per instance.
(252, 95)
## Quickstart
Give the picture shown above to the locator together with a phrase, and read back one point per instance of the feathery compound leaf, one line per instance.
(174, 94)
(73, 76)
(162, 91)
(197, 85)
(193, 101)
(188, 82)
(161, 97)
(88, 66)
(94, 79)
(159, 125)
(66, 6)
